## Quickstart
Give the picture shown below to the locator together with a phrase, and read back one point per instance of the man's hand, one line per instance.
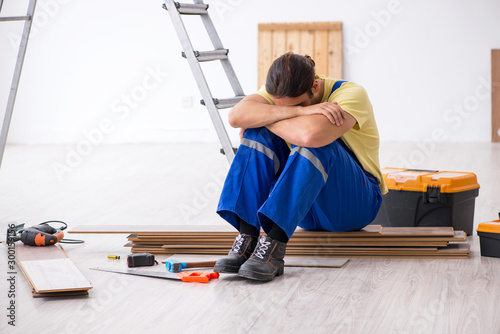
(242, 133)
(330, 110)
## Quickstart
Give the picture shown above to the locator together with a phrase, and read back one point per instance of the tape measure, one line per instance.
(141, 260)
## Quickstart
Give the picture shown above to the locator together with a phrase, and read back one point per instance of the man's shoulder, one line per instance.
(263, 92)
(345, 83)
(348, 88)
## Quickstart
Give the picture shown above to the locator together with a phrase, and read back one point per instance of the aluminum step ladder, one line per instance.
(194, 58)
(28, 19)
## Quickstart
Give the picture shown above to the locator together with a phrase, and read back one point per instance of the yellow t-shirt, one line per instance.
(363, 137)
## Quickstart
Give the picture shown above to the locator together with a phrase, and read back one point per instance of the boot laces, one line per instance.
(262, 248)
(237, 244)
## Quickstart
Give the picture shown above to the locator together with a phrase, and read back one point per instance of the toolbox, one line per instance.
(489, 238)
(428, 198)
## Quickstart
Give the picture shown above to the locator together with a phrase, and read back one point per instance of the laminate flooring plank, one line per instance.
(60, 294)
(290, 261)
(445, 231)
(313, 253)
(196, 246)
(28, 253)
(333, 244)
(302, 241)
(369, 230)
(362, 243)
(54, 275)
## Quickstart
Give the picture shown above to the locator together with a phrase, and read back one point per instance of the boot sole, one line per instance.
(260, 276)
(226, 269)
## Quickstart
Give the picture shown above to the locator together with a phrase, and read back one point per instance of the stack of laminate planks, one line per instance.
(372, 241)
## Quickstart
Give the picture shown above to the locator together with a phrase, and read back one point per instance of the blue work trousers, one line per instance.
(315, 188)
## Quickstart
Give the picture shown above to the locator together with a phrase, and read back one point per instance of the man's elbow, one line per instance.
(234, 119)
(315, 142)
(313, 139)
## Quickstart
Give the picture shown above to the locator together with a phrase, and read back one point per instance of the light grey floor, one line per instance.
(180, 184)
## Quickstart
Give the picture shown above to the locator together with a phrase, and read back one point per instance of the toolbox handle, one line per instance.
(421, 170)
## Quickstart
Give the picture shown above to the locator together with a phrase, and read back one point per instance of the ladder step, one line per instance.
(191, 8)
(15, 18)
(225, 103)
(224, 153)
(209, 55)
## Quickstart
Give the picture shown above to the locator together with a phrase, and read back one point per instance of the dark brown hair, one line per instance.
(291, 75)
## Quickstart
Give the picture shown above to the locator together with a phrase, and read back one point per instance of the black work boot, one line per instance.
(266, 260)
(243, 247)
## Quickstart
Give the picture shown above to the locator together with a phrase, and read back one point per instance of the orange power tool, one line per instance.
(38, 235)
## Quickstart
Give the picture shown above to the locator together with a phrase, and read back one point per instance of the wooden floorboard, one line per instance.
(154, 184)
(49, 270)
(56, 275)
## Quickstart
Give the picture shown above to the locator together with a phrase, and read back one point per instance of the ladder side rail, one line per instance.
(16, 78)
(1, 4)
(217, 43)
(200, 80)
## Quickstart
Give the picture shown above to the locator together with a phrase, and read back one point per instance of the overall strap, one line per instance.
(336, 86)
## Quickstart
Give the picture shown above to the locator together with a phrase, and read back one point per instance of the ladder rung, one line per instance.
(15, 18)
(225, 103)
(191, 8)
(209, 55)
(224, 153)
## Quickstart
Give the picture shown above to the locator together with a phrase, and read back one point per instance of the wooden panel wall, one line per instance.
(495, 96)
(320, 40)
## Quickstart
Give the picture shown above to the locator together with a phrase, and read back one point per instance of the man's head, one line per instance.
(291, 80)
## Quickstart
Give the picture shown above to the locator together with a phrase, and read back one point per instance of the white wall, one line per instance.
(116, 65)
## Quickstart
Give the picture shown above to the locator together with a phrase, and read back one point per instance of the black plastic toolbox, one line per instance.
(428, 198)
(489, 238)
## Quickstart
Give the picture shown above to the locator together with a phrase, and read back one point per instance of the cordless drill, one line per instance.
(38, 235)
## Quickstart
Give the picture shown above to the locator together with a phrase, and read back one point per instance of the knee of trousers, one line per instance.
(321, 157)
(262, 135)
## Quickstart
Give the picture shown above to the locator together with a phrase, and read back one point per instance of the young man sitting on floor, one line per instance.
(308, 157)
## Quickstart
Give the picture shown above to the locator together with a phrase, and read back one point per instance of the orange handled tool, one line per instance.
(197, 277)
(38, 235)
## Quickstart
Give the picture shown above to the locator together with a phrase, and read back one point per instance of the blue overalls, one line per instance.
(321, 188)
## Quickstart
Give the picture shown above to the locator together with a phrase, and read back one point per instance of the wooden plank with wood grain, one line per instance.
(320, 40)
(278, 44)
(307, 42)
(293, 40)
(300, 26)
(265, 58)
(54, 275)
(335, 55)
(321, 48)
(495, 95)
